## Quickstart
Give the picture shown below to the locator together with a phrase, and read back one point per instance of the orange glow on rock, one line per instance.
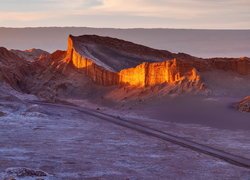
(143, 75)
(151, 74)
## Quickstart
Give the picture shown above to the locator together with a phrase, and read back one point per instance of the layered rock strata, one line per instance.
(13, 69)
(141, 66)
(149, 73)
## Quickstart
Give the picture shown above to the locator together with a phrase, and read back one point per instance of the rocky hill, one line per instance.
(109, 61)
(13, 69)
(107, 66)
(244, 105)
(30, 54)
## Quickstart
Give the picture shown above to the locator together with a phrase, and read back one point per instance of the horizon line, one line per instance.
(124, 28)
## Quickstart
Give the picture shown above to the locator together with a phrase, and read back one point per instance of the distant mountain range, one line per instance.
(200, 43)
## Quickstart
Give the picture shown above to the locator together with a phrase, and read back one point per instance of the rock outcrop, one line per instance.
(111, 53)
(22, 172)
(30, 54)
(93, 62)
(109, 61)
(138, 65)
(13, 69)
(244, 105)
(151, 74)
(238, 65)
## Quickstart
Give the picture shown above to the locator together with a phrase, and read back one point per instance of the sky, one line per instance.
(187, 14)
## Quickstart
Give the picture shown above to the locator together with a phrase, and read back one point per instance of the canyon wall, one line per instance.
(180, 68)
(96, 73)
(143, 75)
(86, 60)
(151, 74)
(238, 65)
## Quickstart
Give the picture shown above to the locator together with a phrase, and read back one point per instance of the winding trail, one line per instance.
(222, 155)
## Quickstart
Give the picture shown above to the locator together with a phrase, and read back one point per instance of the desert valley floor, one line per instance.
(111, 109)
(68, 144)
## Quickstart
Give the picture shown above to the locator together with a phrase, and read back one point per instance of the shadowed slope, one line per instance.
(12, 68)
(30, 54)
(115, 54)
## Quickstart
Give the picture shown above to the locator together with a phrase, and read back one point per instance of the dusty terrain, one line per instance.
(68, 144)
(49, 126)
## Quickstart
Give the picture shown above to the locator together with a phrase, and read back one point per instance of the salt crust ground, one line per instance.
(69, 145)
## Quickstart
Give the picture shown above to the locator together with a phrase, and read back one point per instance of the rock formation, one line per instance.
(137, 65)
(238, 65)
(244, 105)
(13, 69)
(30, 54)
(93, 62)
(110, 61)
(151, 74)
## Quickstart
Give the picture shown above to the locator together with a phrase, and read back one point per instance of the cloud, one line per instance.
(121, 13)
(46, 5)
(21, 16)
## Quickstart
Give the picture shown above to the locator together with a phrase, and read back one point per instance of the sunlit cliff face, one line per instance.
(73, 56)
(151, 74)
(143, 75)
(80, 61)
